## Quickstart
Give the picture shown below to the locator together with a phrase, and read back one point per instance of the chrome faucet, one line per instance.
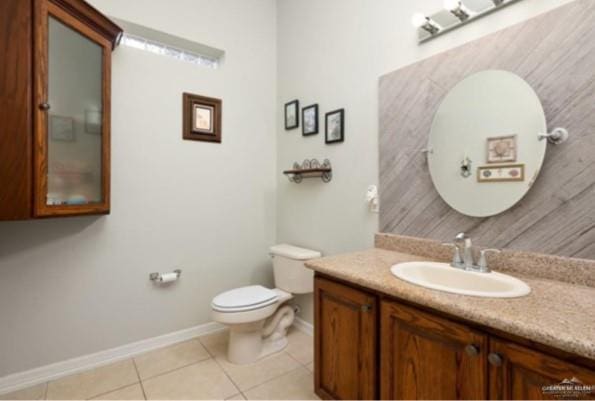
(462, 238)
(463, 246)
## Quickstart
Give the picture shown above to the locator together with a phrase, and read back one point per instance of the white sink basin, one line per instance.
(443, 277)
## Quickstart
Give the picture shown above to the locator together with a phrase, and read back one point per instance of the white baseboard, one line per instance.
(303, 326)
(21, 380)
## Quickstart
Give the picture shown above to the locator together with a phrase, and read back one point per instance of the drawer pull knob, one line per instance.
(44, 106)
(472, 350)
(366, 308)
(495, 359)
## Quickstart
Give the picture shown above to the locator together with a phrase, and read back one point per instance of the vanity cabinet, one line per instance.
(426, 357)
(55, 108)
(519, 373)
(404, 352)
(345, 342)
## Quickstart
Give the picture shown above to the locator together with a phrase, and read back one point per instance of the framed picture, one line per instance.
(202, 118)
(335, 126)
(503, 173)
(310, 120)
(292, 115)
(62, 129)
(502, 149)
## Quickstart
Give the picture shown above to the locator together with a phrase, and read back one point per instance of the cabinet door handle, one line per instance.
(472, 350)
(366, 308)
(44, 106)
(495, 359)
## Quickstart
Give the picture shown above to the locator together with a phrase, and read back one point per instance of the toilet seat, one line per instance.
(244, 299)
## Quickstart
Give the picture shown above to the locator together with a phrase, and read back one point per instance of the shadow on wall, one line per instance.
(20, 236)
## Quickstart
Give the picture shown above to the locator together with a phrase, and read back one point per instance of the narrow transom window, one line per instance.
(141, 43)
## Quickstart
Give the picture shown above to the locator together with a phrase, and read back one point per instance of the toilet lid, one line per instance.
(244, 298)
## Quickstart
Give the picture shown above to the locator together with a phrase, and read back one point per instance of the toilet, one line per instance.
(258, 317)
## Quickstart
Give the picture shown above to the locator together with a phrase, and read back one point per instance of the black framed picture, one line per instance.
(292, 115)
(335, 126)
(310, 120)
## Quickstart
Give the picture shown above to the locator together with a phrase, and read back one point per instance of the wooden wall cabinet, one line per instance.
(402, 352)
(54, 108)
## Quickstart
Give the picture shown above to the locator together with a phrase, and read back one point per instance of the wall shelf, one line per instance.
(310, 169)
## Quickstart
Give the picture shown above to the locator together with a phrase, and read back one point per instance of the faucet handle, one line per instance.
(483, 261)
(457, 261)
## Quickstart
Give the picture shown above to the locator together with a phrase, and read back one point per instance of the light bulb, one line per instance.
(452, 5)
(418, 20)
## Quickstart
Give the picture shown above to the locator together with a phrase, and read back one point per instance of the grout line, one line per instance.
(142, 387)
(228, 376)
(275, 378)
(300, 366)
(111, 391)
(295, 359)
(175, 369)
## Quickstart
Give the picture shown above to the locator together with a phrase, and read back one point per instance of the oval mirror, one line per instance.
(484, 151)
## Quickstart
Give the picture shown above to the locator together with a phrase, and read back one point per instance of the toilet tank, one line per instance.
(288, 267)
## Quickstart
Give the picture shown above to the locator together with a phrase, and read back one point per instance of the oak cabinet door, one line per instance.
(345, 342)
(519, 373)
(427, 357)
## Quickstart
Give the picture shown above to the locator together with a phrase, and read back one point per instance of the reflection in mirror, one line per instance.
(484, 151)
(75, 117)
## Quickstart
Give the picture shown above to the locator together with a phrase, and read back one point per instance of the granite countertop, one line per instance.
(555, 313)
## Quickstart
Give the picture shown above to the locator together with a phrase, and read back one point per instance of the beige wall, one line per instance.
(332, 52)
(75, 286)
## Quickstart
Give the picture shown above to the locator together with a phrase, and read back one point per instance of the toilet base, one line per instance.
(249, 342)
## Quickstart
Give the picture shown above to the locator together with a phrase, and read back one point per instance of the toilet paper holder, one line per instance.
(159, 277)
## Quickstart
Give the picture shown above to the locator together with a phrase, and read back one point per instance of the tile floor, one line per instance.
(195, 369)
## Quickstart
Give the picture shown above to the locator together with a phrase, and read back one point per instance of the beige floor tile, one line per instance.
(236, 397)
(295, 385)
(310, 367)
(251, 375)
(214, 342)
(301, 346)
(204, 380)
(134, 392)
(31, 393)
(167, 359)
(94, 382)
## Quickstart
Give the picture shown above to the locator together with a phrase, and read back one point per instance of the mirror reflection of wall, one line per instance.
(485, 152)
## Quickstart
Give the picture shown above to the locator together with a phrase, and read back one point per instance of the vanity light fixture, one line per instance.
(457, 8)
(454, 14)
(420, 21)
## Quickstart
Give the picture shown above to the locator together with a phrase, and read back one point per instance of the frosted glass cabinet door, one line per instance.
(74, 121)
(72, 127)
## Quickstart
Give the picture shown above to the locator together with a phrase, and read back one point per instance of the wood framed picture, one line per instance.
(335, 126)
(202, 118)
(502, 149)
(503, 173)
(310, 120)
(292, 114)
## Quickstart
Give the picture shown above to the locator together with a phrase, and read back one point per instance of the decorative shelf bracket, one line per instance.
(310, 169)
